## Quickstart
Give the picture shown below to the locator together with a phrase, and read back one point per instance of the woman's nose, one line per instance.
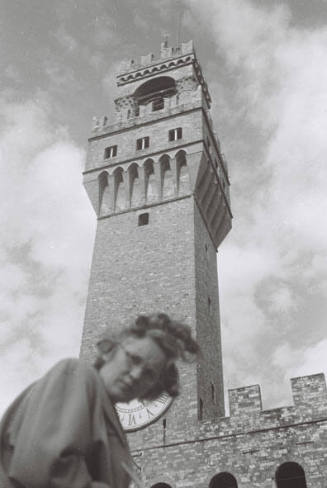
(136, 372)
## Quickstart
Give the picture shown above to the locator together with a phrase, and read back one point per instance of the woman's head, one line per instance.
(140, 361)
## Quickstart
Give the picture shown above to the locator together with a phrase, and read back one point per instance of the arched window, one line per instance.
(223, 480)
(161, 485)
(155, 91)
(290, 475)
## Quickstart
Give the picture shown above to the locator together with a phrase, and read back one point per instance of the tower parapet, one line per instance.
(174, 80)
(309, 398)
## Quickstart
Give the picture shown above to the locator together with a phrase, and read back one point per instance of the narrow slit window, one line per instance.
(200, 409)
(143, 219)
(110, 152)
(213, 396)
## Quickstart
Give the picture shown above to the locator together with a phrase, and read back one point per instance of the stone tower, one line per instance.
(159, 186)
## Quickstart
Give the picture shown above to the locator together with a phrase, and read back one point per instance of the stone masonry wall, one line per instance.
(210, 373)
(144, 269)
(158, 133)
(250, 444)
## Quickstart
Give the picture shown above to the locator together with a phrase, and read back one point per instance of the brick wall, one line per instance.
(125, 139)
(250, 444)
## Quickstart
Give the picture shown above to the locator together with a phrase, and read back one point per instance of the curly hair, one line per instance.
(173, 337)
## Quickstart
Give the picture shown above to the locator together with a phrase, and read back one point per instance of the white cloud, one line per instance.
(300, 362)
(46, 242)
(272, 272)
(65, 39)
(312, 361)
(110, 88)
(104, 30)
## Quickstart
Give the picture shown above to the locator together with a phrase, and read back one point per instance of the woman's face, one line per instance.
(132, 368)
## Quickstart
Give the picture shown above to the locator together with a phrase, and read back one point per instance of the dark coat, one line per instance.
(63, 432)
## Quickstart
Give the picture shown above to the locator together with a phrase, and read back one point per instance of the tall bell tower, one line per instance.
(159, 186)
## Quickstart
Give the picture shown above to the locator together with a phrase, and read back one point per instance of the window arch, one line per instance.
(223, 480)
(161, 86)
(135, 191)
(104, 197)
(120, 196)
(183, 180)
(151, 190)
(161, 485)
(167, 178)
(290, 475)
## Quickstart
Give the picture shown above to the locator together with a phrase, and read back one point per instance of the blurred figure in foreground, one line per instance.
(63, 430)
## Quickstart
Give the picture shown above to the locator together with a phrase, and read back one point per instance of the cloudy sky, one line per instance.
(265, 62)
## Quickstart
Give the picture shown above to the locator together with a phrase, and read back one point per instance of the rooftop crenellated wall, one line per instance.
(250, 444)
(166, 52)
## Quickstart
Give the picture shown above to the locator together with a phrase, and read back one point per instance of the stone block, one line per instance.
(245, 401)
(309, 391)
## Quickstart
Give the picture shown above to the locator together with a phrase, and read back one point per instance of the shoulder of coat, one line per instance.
(72, 366)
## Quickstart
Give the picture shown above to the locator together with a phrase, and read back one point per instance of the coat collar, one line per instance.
(111, 414)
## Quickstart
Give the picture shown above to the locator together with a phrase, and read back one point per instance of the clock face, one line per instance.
(139, 413)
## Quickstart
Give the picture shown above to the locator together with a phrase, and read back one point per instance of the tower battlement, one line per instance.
(309, 395)
(166, 53)
(159, 84)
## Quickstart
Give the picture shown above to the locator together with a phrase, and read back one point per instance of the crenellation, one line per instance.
(165, 50)
(309, 392)
(166, 53)
(245, 401)
(147, 59)
(187, 47)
